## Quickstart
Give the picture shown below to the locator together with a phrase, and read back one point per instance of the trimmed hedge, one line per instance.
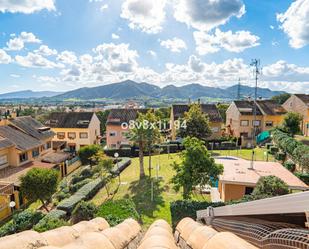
(124, 152)
(122, 165)
(273, 150)
(84, 193)
(56, 214)
(78, 185)
(117, 211)
(182, 208)
(49, 224)
(280, 156)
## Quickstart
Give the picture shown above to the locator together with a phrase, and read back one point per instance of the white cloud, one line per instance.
(45, 51)
(67, 57)
(18, 43)
(35, 60)
(26, 6)
(295, 23)
(104, 7)
(175, 44)
(196, 64)
(207, 14)
(15, 75)
(152, 53)
(233, 42)
(145, 15)
(115, 36)
(4, 57)
(271, 27)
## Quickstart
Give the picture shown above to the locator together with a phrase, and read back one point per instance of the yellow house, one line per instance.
(240, 120)
(215, 119)
(300, 103)
(74, 130)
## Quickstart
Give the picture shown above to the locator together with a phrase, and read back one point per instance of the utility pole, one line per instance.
(256, 64)
(238, 90)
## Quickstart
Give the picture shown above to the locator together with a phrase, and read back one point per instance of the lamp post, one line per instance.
(116, 155)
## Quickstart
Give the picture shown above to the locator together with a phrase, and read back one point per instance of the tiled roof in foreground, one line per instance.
(96, 234)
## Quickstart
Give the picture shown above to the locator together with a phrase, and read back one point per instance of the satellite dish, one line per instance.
(12, 204)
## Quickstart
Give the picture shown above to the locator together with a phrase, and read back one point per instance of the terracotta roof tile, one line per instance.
(69, 119)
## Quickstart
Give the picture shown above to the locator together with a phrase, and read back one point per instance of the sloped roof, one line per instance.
(210, 109)
(5, 143)
(69, 119)
(246, 107)
(32, 127)
(21, 140)
(271, 107)
(119, 116)
(238, 171)
(303, 97)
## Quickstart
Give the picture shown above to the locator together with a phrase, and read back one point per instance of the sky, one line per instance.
(60, 45)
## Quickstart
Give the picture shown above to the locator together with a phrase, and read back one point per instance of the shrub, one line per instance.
(78, 185)
(280, 156)
(61, 196)
(49, 224)
(84, 193)
(290, 165)
(84, 211)
(56, 214)
(273, 150)
(85, 153)
(187, 208)
(117, 211)
(303, 176)
(270, 186)
(21, 221)
(86, 173)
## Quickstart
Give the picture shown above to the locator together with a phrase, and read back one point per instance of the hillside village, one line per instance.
(244, 140)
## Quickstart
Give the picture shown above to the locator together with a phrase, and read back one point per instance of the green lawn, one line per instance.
(140, 191)
(245, 154)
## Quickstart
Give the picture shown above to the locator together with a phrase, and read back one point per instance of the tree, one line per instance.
(39, 184)
(87, 152)
(104, 166)
(281, 98)
(222, 110)
(144, 133)
(196, 124)
(152, 135)
(102, 116)
(197, 167)
(291, 123)
(269, 186)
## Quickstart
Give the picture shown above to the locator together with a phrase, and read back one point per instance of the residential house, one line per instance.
(300, 103)
(74, 130)
(240, 177)
(117, 126)
(240, 118)
(215, 119)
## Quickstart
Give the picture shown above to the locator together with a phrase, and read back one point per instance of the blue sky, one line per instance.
(61, 45)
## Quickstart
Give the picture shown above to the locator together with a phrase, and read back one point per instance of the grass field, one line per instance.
(140, 191)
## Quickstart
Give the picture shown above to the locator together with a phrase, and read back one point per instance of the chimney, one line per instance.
(199, 101)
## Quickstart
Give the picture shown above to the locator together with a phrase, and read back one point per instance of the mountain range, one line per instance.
(28, 94)
(129, 89)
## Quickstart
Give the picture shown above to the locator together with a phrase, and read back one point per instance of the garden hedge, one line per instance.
(84, 193)
(303, 176)
(181, 209)
(122, 165)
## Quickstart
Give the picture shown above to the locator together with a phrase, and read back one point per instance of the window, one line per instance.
(113, 134)
(60, 135)
(113, 146)
(256, 122)
(23, 157)
(35, 152)
(47, 145)
(269, 124)
(3, 160)
(244, 122)
(244, 134)
(83, 135)
(248, 190)
(71, 135)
